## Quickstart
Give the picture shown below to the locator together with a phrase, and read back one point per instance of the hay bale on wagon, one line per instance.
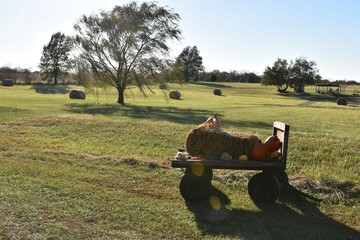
(77, 94)
(212, 143)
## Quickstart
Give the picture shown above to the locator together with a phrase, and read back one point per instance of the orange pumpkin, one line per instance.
(273, 143)
(260, 151)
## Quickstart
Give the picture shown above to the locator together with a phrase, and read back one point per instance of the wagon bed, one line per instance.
(267, 164)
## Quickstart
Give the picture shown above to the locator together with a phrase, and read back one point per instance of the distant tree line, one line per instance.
(23, 74)
(190, 64)
(340, 82)
(232, 76)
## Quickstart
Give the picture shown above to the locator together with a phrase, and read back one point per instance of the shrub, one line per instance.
(341, 101)
(8, 82)
(77, 94)
(217, 91)
(175, 95)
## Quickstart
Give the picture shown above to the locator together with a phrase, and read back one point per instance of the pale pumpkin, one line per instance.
(243, 158)
(213, 122)
(273, 143)
(276, 154)
(209, 121)
(260, 151)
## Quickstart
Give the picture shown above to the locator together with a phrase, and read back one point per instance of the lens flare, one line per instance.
(197, 169)
(215, 203)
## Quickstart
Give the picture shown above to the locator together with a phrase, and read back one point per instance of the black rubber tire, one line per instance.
(207, 171)
(194, 188)
(283, 178)
(264, 188)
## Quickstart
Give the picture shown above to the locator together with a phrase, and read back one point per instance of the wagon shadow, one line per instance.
(293, 217)
(51, 89)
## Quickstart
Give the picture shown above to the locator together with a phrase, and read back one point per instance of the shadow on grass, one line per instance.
(253, 125)
(171, 114)
(280, 221)
(50, 89)
(321, 97)
(211, 84)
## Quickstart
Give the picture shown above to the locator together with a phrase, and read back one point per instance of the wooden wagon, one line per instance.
(263, 187)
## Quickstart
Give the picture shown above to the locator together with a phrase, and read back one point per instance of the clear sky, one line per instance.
(240, 35)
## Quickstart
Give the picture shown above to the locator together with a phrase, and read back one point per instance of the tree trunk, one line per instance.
(56, 76)
(121, 96)
(282, 88)
(186, 74)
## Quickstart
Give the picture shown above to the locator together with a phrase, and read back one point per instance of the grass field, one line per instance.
(90, 169)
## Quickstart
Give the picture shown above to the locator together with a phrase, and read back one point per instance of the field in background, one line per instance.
(91, 169)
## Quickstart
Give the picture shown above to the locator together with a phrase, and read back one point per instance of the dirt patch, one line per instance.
(334, 191)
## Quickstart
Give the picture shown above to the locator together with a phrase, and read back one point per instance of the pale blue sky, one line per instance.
(240, 35)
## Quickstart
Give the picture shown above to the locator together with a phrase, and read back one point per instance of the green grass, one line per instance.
(90, 169)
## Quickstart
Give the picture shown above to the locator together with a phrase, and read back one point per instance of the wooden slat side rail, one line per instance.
(220, 164)
(282, 130)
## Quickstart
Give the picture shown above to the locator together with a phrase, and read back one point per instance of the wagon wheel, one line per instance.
(200, 171)
(194, 188)
(283, 178)
(264, 188)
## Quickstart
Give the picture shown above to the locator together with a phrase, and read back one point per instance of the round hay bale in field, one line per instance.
(212, 143)
(77, 94)
(341, 101)
(217, 92)
(175, 95)
(8, 82)
(162, 86)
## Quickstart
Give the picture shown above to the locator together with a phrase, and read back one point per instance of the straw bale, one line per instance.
(211, 143)
(8, 82)
(77, 94)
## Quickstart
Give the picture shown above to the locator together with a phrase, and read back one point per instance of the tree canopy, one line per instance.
(191, 62)
(295, 74)
(127, 44)
(54, 61)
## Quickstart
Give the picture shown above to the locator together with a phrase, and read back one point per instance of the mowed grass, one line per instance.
(90, 169)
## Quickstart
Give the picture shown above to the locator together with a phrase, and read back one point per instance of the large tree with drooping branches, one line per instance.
(127, 45)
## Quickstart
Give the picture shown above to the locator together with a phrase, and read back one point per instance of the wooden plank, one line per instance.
(220, 164)
(282, 130)
(279, 125)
